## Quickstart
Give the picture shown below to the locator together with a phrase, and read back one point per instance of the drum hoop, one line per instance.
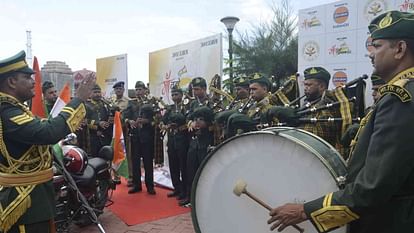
(308, 147)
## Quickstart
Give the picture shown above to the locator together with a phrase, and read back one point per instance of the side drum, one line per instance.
(279, 165)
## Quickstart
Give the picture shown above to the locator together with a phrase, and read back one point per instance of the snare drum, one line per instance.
(280, 165)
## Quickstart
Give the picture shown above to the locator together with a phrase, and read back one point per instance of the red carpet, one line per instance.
(140, 207)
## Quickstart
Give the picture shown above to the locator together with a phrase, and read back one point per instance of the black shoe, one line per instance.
(173, 194)
(181, 197)
(117, 181)
(151, 191)
(134, 189)
(184, 202)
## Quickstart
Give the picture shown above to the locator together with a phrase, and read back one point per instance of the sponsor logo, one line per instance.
(407, 6)
(339, 49)
(339, 78)
(310, 50)
(373, 8)
(341, 15)
(311, 21)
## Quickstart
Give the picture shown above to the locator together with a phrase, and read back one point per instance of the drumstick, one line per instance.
(241, 187)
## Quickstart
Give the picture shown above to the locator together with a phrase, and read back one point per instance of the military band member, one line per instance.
(378, 195)
(199, 90)
(259, 91)
(49, 95)
(316, 90)
(120, 100)
(241, 87)
(99, 121)
(26, 189)
(139, 118)
(199, 144)
(178, 139)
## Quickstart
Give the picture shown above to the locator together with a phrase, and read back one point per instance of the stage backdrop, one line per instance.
(110, 70)
(181, 63)
(335, 36)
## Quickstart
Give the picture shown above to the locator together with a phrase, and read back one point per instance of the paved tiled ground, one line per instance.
(112, 224)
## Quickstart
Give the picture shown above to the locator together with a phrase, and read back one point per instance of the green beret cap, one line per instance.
(392, 25)
(16, 63)
(140, 84)
(377, 80)
(46, 85)
(176, 89)
(317, 73)
(204, 112)
(258, 78)
(119, 84)
(199, 82)
(239, 123)
(222, 117)
(241, 82)
(96, 87)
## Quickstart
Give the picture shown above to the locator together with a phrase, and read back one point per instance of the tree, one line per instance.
(270, 48)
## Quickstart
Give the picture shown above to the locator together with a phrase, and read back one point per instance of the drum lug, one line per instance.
(341, 180)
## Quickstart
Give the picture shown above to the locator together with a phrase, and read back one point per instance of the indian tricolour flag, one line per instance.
(62, 100)
(119, 163)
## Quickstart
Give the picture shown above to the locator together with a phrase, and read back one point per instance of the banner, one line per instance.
(335, 36)
(110, 70)
(181, 63)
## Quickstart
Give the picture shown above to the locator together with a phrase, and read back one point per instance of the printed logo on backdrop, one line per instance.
(310, 51)
(339, 78)
(340, 48)
(341, 15)
(407, 6)
(373, 8)
(311, 21)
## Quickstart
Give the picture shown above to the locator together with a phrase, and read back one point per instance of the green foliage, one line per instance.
(270, 48)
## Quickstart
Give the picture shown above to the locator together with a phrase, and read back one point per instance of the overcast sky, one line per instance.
(78, 31)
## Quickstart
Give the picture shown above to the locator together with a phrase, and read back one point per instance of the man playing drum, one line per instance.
(379, 193)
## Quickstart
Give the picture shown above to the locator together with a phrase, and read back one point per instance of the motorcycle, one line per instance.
(82, 185)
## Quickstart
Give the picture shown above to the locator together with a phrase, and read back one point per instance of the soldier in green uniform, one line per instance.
(199, 144)
(201, 132)
(316, 90)
(379, 194)
(100, 121)
(139, 118)
(259, 91)
(49, 95)
(241, 87)
(178, 139)
(26, 190)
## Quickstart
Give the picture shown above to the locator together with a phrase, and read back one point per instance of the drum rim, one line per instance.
(304, 144)
(265, 131)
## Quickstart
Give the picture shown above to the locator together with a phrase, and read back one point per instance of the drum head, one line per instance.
(277, 169)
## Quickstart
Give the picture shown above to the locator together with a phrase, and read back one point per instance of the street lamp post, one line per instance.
(229, 22)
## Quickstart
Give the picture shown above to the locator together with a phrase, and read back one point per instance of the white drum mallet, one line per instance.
(240, 188)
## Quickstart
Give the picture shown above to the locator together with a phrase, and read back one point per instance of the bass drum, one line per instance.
(280, 165)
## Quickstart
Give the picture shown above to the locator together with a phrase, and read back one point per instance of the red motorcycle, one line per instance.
(82, 185)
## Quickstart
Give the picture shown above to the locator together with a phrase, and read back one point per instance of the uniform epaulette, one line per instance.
(397, 89)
